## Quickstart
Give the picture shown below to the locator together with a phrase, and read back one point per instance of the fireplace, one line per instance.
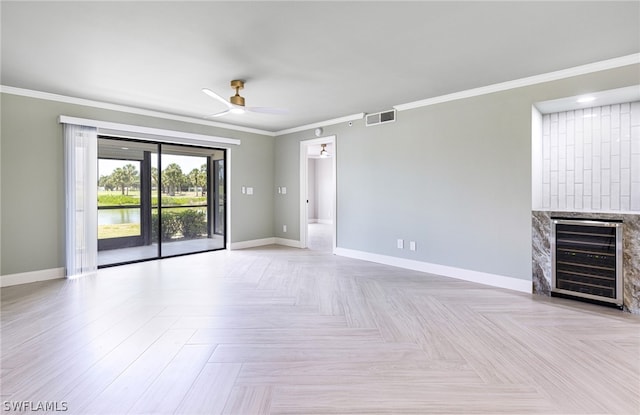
(586, 260)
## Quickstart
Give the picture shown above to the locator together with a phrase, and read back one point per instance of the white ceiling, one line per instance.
(321, 60)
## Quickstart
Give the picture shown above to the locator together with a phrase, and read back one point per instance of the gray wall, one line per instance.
(454, 177)
(32, 190)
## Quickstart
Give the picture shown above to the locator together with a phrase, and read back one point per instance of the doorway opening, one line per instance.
(158, 200)
(318, 194)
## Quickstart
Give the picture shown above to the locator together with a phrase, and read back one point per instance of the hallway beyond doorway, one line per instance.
(320, 237)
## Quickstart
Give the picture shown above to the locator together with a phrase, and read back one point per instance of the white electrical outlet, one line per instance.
(249, 190)
(400, 244)
(412, 245)
(244, 190)
(284, 228)
(284, 190)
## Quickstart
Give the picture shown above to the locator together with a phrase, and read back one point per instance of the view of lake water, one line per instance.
(131, 215)
(118, 216)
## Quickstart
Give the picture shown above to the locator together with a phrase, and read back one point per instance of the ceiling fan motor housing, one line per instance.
(237, 99)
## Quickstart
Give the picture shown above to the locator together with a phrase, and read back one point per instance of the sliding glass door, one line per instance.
(123, 201)
(158, 200)
(187, 219)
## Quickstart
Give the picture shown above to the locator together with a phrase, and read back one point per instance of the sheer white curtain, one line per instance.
(81, 240)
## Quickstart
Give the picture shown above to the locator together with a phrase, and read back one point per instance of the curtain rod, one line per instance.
(136, 129)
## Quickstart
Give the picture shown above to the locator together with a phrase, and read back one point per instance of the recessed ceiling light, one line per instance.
(584, 100)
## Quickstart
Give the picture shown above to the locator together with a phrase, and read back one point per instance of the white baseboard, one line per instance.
(31, 276)
(493, 280)
(288, 242)
(321, 221)
(252, 244)
(266, 241)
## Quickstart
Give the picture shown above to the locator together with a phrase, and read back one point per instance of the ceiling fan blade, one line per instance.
(219, 114)
(217, 97)
(267, 110)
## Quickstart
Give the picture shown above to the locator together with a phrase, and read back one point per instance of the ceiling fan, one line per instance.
(235, 105)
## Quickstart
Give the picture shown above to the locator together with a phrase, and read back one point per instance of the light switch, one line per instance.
(249, 190)
(284, 190)
(400, 244)
(412, 245)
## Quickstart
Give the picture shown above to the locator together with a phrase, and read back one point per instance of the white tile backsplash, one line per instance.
(579, 144)
(562, 171)
(635, 113)
(596, 192)
(615, 169)
(579, 168)
(570, 182)
(546, 195)
(625, 126)
(546, 171)
(605, 131)
(635, 196)
(625, 182)
(625, 154)
(615, 196)
(605, 182)
(635, 139)
(571, 132)
(625, 204)
(605, 156)
(571, 157)
(635, 167)
(554, 183)
(591, 159)
(588, 183)
(588, 156)
(588, 132)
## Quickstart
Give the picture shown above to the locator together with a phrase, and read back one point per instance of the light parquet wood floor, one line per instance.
(288, 331)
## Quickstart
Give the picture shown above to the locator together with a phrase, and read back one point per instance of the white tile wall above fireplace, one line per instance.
(589, 160)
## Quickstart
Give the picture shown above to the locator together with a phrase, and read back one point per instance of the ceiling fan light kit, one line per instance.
(324, 153)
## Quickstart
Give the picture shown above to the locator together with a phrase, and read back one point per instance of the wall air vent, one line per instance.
(380, 118)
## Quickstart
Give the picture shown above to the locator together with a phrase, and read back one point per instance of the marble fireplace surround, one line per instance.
(541, 234)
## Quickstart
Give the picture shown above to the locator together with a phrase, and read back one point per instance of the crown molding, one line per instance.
(633, 59)
(532, 80)
(333, 121)
(124, 108)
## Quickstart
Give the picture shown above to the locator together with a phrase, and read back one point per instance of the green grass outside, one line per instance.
(118, 231)
(116, 198)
